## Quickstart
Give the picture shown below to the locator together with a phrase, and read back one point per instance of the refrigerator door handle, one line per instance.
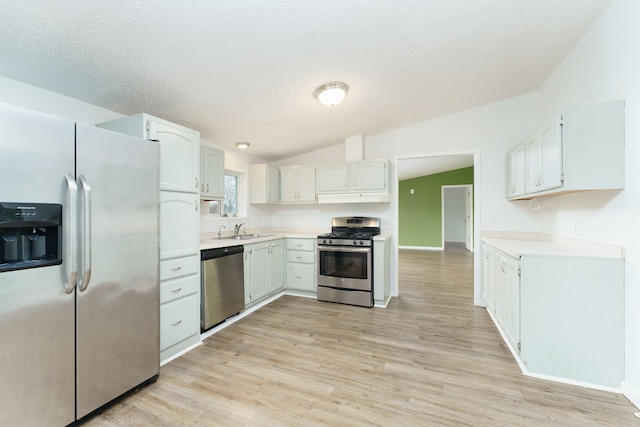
(86, 233)
(71, 234)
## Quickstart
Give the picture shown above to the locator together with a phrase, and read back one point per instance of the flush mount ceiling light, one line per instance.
(243, 145)
(331, 93)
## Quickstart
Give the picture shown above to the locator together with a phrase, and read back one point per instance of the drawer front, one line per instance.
(304, 257)
(179, 319)
(178, 288)
(172, 268)
(301, 276)
(301, 244)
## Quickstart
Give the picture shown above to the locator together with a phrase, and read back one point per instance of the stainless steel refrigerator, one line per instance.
(79, 269)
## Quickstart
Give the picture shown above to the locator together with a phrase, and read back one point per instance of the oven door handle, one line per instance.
(344, 249)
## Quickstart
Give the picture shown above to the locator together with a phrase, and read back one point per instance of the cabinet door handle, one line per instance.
(196, 182)
(298, 277)
(195, 205)
(176, 269)
(299, 257)
(175, 291)
(202, 187)
(177, 323)
(207, 188)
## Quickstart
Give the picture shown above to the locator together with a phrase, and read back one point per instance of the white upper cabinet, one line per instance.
(211, 173)
(333, 178)
(369, 176)
(583, 150)
(516, 171)
(354, 182)
(298, 184)
(179, 149)
(544, 159)
(264, 183)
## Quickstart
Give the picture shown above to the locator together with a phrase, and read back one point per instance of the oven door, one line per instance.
(344, 267)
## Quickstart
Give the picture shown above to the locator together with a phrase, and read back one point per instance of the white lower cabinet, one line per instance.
(263, 270)
(301, 264)
(488, 272)
(562, 314)
(507, 308)
(179, 305)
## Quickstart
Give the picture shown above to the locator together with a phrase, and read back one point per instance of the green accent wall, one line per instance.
(420, 214)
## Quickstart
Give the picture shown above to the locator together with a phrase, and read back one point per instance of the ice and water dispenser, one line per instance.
(30, 235)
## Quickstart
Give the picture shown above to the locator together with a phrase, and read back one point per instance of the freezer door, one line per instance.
(36, 315)
(118, 297)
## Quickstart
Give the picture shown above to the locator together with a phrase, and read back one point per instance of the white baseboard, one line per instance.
(524, 370)
(423, 248)
(180, 353)
(631, 393)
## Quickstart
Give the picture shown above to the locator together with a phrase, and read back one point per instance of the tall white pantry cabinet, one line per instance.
(179, 227)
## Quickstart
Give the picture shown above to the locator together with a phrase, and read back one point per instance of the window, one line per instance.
(230, 195)
(230, 205)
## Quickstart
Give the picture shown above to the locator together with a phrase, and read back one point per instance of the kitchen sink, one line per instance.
(246, 236)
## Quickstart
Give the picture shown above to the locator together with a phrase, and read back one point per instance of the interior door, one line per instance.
(117, 301)
(468, 206)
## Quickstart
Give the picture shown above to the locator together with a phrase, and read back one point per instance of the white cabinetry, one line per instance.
(369, 175)
(333, 178)
(361, 181)
(301, 264)
(179, 148)
(264, 183)
(381, 271)
(516, 171)
(298, 184)
(507, 293)
(263, 270)
(179, 227)
(565, 311)
(583, 150)
(488, 277)
(211, 173)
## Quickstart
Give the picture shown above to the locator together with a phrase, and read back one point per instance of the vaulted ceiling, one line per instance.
(246, 70)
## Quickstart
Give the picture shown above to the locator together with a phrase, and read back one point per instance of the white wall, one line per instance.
(33, 98)
(605, 65)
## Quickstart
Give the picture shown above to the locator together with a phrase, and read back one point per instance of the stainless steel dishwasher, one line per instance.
(222, 288)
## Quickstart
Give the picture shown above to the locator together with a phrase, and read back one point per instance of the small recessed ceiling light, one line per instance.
(331, 93)
(243, 145)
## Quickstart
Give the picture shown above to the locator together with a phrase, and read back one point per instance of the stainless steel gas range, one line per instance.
(345, 261)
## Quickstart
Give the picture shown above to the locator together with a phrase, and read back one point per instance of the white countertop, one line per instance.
(519, 244)
(210, 240)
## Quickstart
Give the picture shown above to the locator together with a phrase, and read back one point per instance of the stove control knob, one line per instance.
(361, 242)
(355, 242)
(324, 242)
(330, 241)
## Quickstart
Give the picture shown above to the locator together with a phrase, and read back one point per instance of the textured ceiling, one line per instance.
(246, 69)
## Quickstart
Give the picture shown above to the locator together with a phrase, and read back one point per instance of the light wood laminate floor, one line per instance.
(431, 358)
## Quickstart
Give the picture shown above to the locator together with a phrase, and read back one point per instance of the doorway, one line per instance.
(457, 215)
(430, 163)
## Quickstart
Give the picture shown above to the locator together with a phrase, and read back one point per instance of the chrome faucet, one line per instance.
(219, 229)
(236, 229)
